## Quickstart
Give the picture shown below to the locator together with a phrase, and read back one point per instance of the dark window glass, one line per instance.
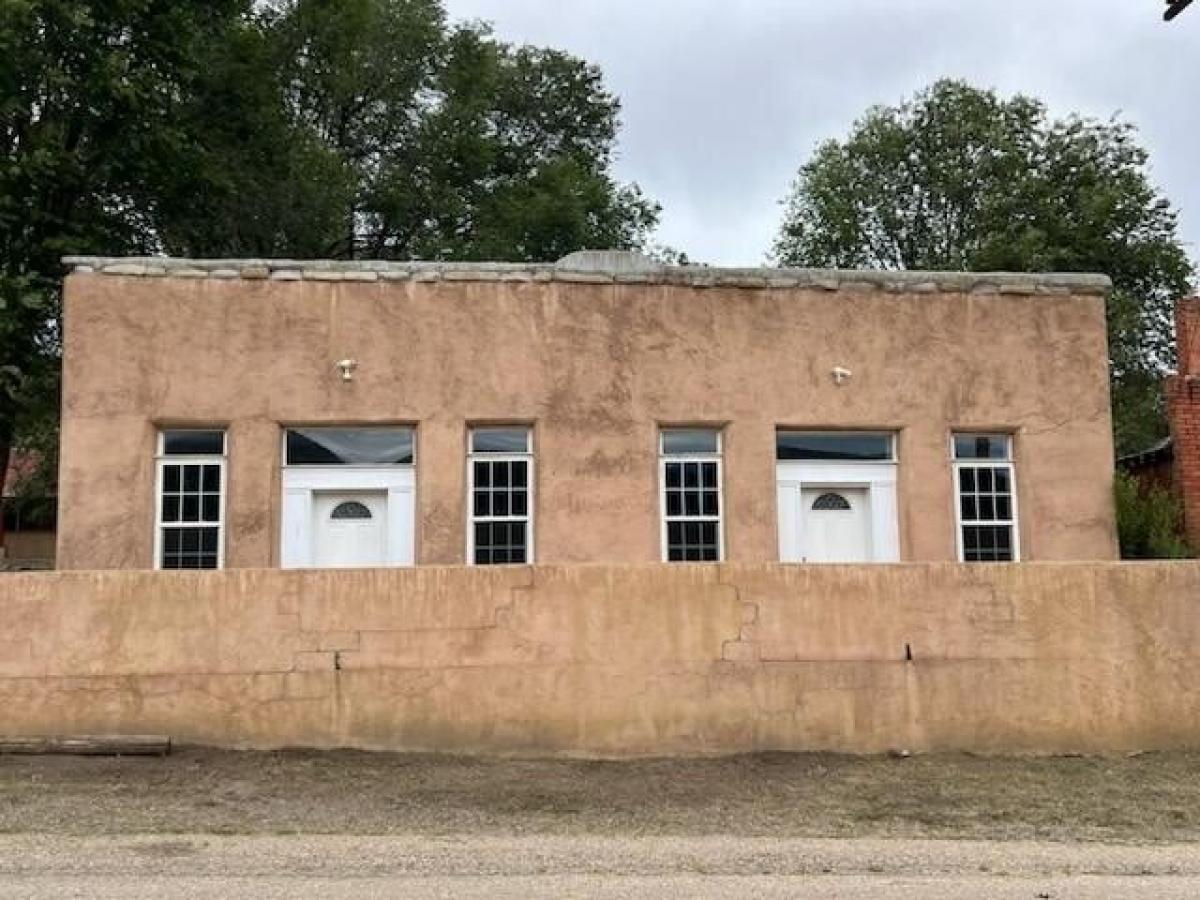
(351, 509)
(190, 548)
(831, 502)
(689, 440)
(184, 442)
(191, 478)
(497, 543)
(981, 446)
(500, 440)
(987, 543)
(833, 445)
(692, 542)
(349, 446)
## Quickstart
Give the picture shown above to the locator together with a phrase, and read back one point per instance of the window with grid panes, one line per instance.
(191, 499)
(690, 460)
(500, 469)
(987, 504)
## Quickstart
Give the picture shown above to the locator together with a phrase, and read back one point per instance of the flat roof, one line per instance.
(593, 267)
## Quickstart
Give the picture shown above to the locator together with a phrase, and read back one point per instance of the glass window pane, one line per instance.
(708, 474)
(191, 508)
(691, 503)
(500, 440)
(211, 508)
(674, 503)
(689, 440)
(1003, 481)
(674, 474)
(212, 479)
(500, 472)
(483, 474)
(833, 445)
(1003, 508)
(193, 442)
(171, 478)
(191, 478)
(711, 505)
(170, 508)
(981, 446)
(349, 446)
(520, 503)
(500, 503)
(691, 475)
(520, 474)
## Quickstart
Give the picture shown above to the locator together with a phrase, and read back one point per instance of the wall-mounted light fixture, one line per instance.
(347, 368)
(841, 375)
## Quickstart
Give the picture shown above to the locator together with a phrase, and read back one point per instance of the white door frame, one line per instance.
(792, 477)
(296, 522)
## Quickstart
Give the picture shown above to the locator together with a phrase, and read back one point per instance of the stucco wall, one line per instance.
(615, 660)
(596, 369)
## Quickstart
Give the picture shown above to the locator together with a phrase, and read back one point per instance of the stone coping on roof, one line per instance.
(571, 272)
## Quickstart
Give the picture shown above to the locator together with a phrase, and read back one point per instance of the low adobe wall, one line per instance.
(614, 660)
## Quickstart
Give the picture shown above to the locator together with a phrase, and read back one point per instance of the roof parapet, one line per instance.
(595, 267)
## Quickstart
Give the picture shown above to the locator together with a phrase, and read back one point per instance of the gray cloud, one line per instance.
(723, 99)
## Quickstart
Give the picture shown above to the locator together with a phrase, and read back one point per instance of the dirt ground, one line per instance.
(1141, 799)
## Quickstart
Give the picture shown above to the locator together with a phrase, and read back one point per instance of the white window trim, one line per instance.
(530, 488)
(161, 461)
(1007, 463)
(664, 519)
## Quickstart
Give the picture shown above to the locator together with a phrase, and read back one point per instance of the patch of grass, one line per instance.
(1154, 797)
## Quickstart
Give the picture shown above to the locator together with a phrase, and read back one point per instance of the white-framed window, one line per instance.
(189, 528)
(690, 474)
(986, 490)
(500, 495)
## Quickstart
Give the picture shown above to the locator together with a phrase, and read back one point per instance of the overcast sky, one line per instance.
(723, 99)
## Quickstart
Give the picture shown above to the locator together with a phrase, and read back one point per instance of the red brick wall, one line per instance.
(1183, 404)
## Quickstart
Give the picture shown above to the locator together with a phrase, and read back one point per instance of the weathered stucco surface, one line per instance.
(600, 660)
(596, 368)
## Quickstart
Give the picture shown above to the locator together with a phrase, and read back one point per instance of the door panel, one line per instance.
(349, 529)
(835, 524)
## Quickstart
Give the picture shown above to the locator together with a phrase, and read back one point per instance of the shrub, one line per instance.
(1149, 521)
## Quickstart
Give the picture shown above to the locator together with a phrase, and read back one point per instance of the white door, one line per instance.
(835, 524)
(349, 529)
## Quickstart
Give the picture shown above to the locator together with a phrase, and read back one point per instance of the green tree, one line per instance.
(960, 178)
(375, 128)
(87, 92)
(309, 128)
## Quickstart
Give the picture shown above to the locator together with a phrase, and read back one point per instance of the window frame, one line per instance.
(161, 461)
(664, 520)
(1014, 520)
(530, 490)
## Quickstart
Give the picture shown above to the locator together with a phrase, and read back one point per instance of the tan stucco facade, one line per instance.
(596, 363)
(614, 660)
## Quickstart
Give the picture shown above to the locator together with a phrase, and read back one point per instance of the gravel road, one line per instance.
(336, 867)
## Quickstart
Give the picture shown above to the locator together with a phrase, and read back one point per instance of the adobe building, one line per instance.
(603, 409)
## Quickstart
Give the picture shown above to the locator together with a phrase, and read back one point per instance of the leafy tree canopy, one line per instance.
(960, 178)
(294, 128)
